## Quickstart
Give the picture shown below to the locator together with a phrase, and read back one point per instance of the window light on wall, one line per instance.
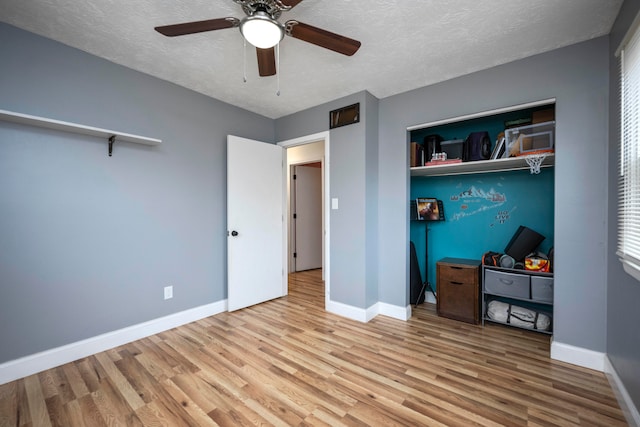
(629, 165)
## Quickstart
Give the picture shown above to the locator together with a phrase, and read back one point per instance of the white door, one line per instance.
(255, 222)
(307, 185)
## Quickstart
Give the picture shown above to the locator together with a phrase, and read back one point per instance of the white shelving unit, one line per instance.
(480, 166)
(43, 122)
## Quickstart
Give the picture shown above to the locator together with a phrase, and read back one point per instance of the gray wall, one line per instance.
(623, 292)
(88, 241)
(353, 181)
(371, 202)
(577, 76)
(348, 227)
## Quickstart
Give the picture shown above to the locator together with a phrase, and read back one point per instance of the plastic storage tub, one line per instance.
(528, 139)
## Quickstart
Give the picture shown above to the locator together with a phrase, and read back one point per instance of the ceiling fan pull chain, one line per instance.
(278, 67)
(244, 60)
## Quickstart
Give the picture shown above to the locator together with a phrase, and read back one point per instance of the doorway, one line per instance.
(304, 151)
(306, 216)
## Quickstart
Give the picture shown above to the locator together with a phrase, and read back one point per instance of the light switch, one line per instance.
(334, 203)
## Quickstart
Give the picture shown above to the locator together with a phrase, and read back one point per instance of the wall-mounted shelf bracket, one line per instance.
(57, 125)
(112, 139)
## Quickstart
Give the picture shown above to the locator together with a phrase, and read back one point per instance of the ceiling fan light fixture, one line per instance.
(261, 30)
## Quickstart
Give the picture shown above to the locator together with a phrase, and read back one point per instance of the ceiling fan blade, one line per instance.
(322, 38)
(266, 61)
(197, 26)
(290, 3)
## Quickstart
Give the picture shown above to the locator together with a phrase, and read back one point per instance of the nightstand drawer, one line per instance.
(457, 287)
(506, 284)
(453, 273)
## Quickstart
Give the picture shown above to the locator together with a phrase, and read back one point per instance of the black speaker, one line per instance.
(523, 242)
(431, 146)
(415, 277)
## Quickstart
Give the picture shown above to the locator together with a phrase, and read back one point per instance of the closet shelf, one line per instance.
(58, 125)
(480, 166)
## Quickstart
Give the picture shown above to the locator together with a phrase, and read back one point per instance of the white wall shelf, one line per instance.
(480, 166)
(110, 135)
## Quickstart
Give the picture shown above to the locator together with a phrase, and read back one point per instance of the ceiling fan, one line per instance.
(262, 29)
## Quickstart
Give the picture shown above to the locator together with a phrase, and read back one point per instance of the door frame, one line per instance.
(308, 139)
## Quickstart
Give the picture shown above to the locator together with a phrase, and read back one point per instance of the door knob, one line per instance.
(234, 233)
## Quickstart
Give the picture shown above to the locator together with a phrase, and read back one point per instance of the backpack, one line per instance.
(477, 146)
(491, 258)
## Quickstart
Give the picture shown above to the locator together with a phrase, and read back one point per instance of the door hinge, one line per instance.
(295, 255)
(295, 176)
(295, 216)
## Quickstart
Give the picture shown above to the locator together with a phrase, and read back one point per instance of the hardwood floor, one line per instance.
(287, 362)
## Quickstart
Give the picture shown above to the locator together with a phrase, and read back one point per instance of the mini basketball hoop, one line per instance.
(534, 160)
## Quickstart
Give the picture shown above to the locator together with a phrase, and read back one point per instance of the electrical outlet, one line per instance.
(168, 292)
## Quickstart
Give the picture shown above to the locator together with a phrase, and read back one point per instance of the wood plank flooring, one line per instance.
(289, 363)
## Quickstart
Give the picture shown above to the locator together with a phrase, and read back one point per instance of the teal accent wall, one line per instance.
(482, 212)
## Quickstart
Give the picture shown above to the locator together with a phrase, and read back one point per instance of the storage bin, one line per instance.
(506, 284)
(527, 139)
(542, 289)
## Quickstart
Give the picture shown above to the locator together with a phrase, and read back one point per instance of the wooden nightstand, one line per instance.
(458, 289)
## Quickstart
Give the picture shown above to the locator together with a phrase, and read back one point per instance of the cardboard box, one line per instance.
(542, 116)
(416, 155)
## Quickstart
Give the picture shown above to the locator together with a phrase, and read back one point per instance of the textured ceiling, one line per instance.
(405, 44)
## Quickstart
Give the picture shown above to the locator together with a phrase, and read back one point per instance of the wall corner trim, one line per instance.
(624, 399)
(34, 363)
(364, 315)
(348, 311)
(395, 311)
(578, 356)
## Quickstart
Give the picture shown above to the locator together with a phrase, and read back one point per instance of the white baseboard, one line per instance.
(578, 356)
(397, 312)
(32, 364)
(372, 311)
(624, 400)
(364, 315)
(348, 311)
(429, 298)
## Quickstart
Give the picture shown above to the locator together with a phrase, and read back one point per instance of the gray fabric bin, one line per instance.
(542, 289)
(506, 284)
